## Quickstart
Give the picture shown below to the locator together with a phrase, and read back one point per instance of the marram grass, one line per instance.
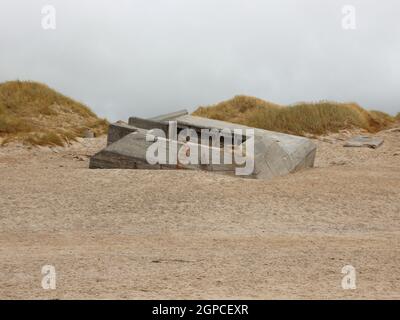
(300, 119)
(35, 114)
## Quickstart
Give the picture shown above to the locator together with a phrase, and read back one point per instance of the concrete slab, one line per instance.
(364, 141)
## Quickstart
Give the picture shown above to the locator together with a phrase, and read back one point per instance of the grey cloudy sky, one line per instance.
(145, 57)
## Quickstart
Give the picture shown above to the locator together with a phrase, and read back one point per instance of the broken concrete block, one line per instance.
(118, 130)
(275, 154)
(364, 141)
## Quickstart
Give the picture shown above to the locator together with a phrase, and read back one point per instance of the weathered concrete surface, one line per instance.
(148, 124)
(117, 131)
(170, 116)
(364, 141)
(275, 154)
(130, 153)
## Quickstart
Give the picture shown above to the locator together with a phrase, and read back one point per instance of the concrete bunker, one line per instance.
(274, 153)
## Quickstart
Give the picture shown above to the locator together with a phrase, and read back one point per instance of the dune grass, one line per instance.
(300, 119)
(35, 114)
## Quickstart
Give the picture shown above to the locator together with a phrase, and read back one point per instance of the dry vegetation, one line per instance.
(300, 119)
(35, 114)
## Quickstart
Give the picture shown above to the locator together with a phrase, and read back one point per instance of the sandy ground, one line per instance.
(178, 234)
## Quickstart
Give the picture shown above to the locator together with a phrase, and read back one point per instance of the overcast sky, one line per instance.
(146, 57)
